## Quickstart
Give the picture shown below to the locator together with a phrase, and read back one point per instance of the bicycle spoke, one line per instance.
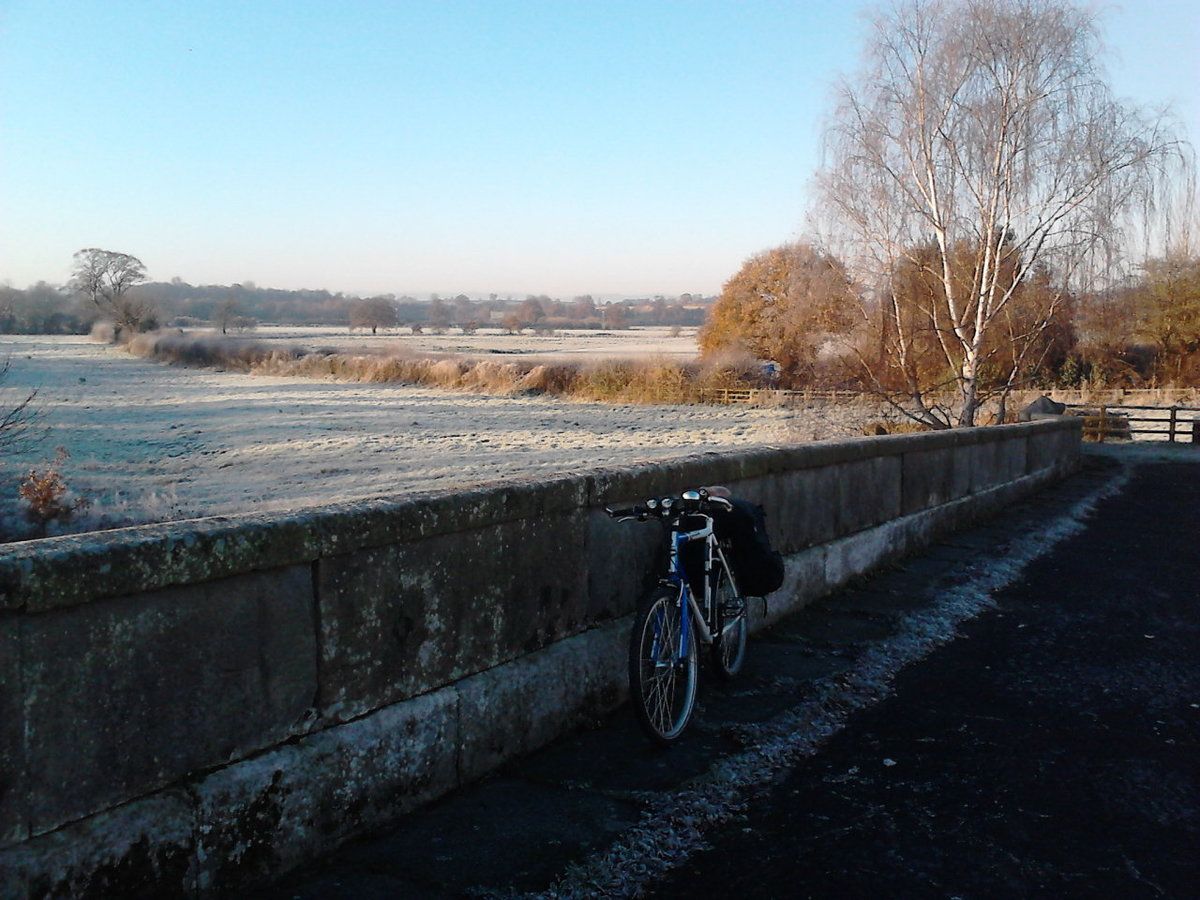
(664, 677)
(660, 709)
(660, 705)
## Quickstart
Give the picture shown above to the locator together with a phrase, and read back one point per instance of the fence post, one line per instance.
(1171, 438)
(1103, 423)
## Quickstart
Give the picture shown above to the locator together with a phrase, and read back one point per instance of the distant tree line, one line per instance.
(43, 308)
(112, 286)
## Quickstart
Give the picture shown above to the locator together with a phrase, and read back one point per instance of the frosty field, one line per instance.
(150, 442)
(566, 344)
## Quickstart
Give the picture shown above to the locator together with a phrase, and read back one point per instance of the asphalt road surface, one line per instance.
(1052, 749)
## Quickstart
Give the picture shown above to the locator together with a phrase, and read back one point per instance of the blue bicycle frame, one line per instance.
(678, 577)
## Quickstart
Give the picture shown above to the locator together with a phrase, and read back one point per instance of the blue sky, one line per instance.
(612, 148)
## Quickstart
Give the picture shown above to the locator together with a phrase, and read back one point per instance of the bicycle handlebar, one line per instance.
(689, 502)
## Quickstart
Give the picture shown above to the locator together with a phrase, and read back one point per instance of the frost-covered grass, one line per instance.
(152, 442)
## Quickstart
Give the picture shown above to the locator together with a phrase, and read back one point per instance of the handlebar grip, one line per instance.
(631, 513)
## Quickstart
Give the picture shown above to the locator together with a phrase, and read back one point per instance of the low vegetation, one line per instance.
(47, 497)
(653, 380)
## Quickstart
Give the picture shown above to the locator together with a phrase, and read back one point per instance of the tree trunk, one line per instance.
(970, 391)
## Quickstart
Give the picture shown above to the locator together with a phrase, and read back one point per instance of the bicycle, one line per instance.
(664, 666)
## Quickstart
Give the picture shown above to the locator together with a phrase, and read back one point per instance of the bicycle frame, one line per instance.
(706, 619)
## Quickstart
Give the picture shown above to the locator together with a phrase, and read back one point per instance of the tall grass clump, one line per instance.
(558, 378)
(636, 381)
(494, 377)
(214, 352)
(727, 370)
(104, 331)
(651, 380)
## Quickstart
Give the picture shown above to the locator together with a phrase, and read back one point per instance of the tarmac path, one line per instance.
(1052, 749)
(1014, 712)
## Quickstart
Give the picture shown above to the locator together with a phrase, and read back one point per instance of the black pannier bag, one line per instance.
(757, 567)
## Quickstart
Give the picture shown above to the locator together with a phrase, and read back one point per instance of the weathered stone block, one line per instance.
(363, 525)
(142, 849)
(852, 556)
(13, 819)
(964, 469)
(803, 582)
(868, 492)
(127, 695)
(802, 508)
(520, 706)
(1048, 446)
(1011, 453)
(1038, 453)
(401, 620)
(624, 559)
(36, 576)
(1069, 445)
(986, 466)
(260, 817)
(928, 479)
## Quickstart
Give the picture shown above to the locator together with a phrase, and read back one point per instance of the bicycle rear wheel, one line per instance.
(663, 667)
(729, 643)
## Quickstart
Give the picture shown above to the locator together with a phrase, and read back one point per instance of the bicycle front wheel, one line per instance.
(663, 667)
(729, 643)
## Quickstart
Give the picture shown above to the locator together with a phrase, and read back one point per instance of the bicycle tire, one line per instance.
(662, 686)
(729, 649)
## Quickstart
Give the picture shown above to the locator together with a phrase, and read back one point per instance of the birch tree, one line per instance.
(979, 144)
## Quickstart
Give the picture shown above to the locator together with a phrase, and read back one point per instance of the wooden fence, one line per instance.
(1173, 424)
(768, 396)
(1157, 398)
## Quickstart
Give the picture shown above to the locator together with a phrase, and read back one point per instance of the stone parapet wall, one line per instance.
(199, 705)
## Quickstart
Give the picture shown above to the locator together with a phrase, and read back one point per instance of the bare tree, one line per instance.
(227, 311)
(439, 314)
(18, 415)
(983, 130)
(104, 277)
(373, 313)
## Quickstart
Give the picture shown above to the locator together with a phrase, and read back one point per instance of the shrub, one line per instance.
(104, 331)
(550, 379)
(46, 495)
(904, 427)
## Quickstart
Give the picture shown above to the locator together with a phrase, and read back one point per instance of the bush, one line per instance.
(550, 379)
(46, 495)
(104, 331)
(906, 426)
